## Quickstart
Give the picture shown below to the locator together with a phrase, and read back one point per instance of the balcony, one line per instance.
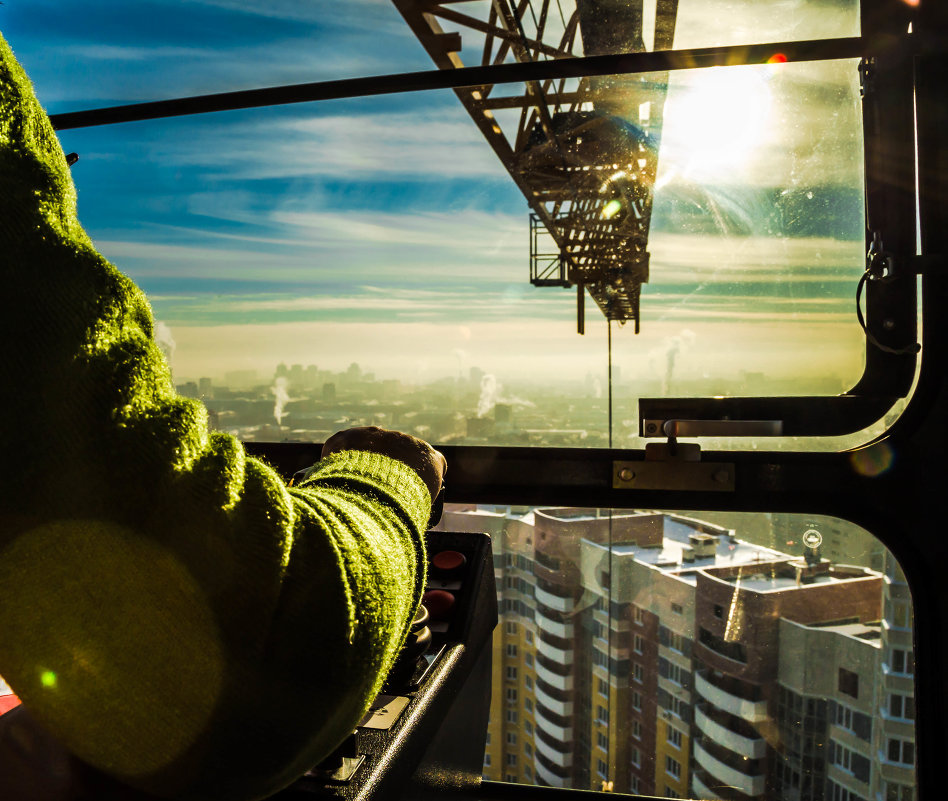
(564, 683)
(554, 602)
(559, 655)
(560, 734)
(558, 758)
(753, 711)
(704, 785)
(749, 785)
(564, 708)
(699, 789)
(751, 747)
(554, 627)
(550, 778)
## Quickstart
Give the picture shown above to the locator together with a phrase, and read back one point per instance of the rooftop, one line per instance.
(678, 554)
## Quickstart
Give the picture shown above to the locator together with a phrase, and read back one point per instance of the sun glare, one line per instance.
(715, 121)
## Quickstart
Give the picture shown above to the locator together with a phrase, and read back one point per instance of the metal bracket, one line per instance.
(674, 474)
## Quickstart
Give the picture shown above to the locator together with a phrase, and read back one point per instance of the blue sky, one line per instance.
(385, 231)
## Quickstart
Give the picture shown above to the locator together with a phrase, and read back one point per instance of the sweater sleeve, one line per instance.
(169, 609)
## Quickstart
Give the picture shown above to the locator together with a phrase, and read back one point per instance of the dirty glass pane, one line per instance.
(698, 655)
(370, 260)
(98, 53)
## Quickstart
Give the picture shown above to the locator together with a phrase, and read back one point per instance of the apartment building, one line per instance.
(659, 654)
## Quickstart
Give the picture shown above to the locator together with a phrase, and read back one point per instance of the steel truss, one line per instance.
(584, 152)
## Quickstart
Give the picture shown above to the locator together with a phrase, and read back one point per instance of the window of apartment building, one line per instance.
(899, 792)
(511, 738)
(902, 706)
(511, 649)
(602, 768)
(637, 729)
(897, 613)
(671, 793)
(638, 672)
(842, 757)
(602, 740)
(638, 643)
(678, 707)
(604, 687)
(635, 756)
(510, 777)
(602, 714)
(511, 694)
(486, 760)
(673, 767)
(673, 736)
(527, 681)
(634, 784)
(675, 673)
(844, 717)
(676, 642)
(848, 683)
(639, 616)
(512, 760)
(511, 673)
(677, 609)
(512, 716)
(511, 627)
(528, 659)
(839, 793)
(637, 700)
(718, 611)
(902, 661)
(527, 727)
(528, 636)
(902, 751)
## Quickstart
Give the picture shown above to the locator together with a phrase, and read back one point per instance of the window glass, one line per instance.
(366, 261)
(802, 655)
(110, 50)
(115, 53)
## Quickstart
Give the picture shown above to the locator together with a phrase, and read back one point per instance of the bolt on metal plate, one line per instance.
(672, 475)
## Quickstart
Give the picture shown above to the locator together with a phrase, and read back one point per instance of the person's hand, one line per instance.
(416, 453)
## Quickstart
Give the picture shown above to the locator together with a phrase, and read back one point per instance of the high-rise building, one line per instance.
(660, 654)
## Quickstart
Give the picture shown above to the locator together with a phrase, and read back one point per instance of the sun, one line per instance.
(714, 120)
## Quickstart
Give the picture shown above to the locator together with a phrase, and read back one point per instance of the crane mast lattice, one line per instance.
(583, 151)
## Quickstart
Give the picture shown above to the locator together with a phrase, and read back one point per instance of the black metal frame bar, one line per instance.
(628, 63)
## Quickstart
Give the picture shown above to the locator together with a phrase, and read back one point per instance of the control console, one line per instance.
(425, 732)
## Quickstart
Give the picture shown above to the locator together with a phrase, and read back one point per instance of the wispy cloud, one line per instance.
(438, 142)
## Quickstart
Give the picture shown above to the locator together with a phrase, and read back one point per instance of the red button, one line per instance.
(439, 603)
(448, 561)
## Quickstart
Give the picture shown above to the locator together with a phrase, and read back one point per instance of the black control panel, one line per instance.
(425, 733)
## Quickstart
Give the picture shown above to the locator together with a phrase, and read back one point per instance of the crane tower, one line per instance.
(583, 151)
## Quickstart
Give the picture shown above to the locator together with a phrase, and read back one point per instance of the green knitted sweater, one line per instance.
(169, 609)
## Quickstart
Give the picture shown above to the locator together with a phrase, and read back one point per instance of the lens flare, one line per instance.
(611, 209)
(48, 679)
(873, 461)
(777, 58)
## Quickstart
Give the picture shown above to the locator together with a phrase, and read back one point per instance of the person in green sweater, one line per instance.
(171, 612)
